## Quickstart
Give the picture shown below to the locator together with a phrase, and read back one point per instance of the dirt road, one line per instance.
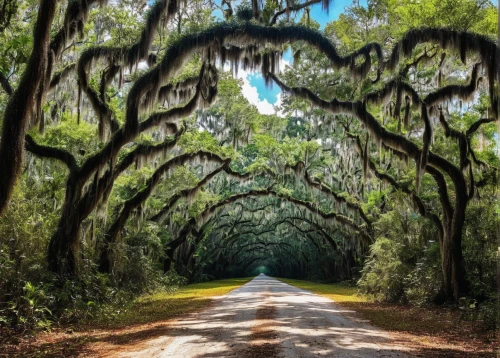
(268, 318)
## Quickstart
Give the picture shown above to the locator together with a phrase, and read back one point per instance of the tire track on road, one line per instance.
(264, 341)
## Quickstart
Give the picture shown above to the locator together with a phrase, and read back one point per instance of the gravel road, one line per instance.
(268, 318)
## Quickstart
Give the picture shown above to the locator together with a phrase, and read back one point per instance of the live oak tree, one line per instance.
(27, 101)
(127, 106)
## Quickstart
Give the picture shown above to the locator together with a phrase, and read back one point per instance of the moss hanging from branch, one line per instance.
(20, 108)
(76, 14)
(462, 42)
(301, 173)
(310, 207)
(117, 58)
(427, 140)
(392, 140)
(407, 116)
(186, 193)
(61, 75)
(49, 152)
(139, 198)
(463, 92)
(100, 189)
(216, 39)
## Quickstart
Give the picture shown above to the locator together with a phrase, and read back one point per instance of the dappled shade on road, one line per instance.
(267, 317)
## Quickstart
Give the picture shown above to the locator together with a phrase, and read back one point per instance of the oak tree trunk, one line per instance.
(21, 106)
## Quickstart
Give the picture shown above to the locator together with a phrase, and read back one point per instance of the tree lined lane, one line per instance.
(268, 318)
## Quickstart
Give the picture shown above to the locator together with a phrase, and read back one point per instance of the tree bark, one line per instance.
(21, 105)
(454, 282)
(63, 245)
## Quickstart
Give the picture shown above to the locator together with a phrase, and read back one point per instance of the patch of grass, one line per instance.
(334, 291)
(164, 305)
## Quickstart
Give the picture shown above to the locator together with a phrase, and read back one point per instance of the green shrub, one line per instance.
(383, 275)
(483, 315)
(422, 285)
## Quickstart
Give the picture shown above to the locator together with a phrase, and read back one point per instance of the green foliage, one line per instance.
(139, 272)
(194, 141)
(203, 200)
(461, 15)
(375, 199)
(127, 186)
(25, 295)
(483, 315)
(360, 25)
(124, 28)
(481, 244)
(71, 136)
(403, 263)
(277, 153)
(244, 11)
(384, 272)
(28, 310)
(422, 284)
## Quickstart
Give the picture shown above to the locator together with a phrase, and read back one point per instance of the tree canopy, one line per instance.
(129, 150)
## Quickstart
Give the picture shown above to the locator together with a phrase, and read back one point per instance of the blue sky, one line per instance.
(254, 88)
(255, 79)
(336, 8)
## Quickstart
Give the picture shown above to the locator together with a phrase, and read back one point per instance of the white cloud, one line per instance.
(252, 94)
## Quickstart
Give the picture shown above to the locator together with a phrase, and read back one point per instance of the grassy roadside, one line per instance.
(336, 292)
(430, 331)
(163, 305)
(144, 316)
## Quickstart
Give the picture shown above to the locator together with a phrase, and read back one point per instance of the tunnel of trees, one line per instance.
(130, 156)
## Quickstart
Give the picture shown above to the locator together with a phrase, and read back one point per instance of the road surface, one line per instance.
(268, 318)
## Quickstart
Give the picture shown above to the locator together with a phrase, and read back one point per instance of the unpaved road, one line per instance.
(268, 318)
